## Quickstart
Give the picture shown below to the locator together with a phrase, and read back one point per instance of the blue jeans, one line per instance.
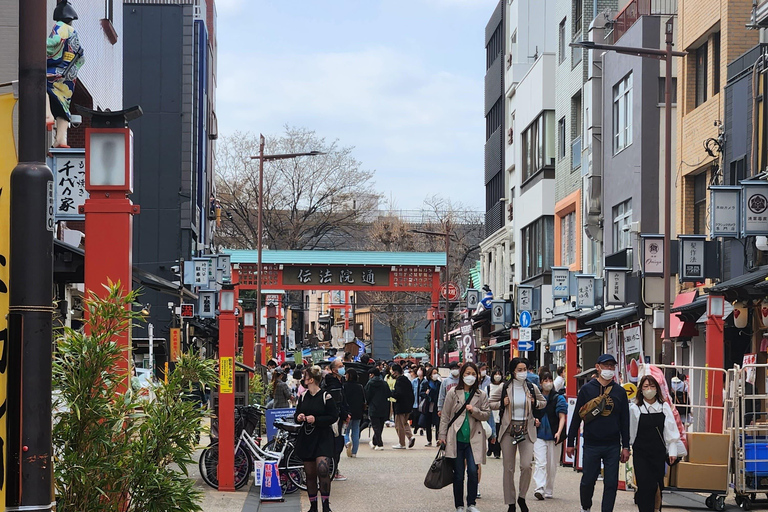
(354, 428)
(609, 455)
(464, 459)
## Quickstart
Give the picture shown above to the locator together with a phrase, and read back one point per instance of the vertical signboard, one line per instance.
(206, 304)
(691, 258)
(585, 288)
(755, 208)
(68, 166)
(175, 343)
(524, 298)
(560, 288)
(616, 286)
(653, 255)
(467, 340)
(725, 211)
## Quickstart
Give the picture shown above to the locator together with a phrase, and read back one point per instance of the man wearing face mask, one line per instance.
(448, 384)
(333, 383)
(403, 406)
(606, 436)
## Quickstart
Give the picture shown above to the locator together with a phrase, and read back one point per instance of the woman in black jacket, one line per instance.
(355, 395)
(377, 395)
(430, 391)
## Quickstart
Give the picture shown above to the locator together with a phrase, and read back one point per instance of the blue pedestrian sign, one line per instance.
(525, 346)
(525, 319)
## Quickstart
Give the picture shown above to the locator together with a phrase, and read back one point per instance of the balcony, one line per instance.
(575, 153)
(637, 8)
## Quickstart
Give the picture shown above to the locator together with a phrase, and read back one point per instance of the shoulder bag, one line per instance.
(440, 473)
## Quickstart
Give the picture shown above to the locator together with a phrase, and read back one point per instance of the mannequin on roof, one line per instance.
(65, 57)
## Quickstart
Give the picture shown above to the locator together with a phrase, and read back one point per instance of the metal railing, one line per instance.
(637, 8)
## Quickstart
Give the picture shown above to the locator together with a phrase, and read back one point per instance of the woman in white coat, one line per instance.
(465, 438)
(653, 434)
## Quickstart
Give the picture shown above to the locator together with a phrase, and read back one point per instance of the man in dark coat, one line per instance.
(334, 385)
(377, 395)
(403, 395)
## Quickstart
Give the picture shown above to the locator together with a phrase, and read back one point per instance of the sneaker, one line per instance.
(539, 496)
(373, 446)
(473, 508)
(379, 448)
(348, 445)
(548, 496)
(339, 478)
(398, 447)
(585, 510)
(459, 509)
(411, 442)
(428, 444)
(354, 455)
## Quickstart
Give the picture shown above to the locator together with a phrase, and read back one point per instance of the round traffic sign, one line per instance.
(525, 319)
(449, 291)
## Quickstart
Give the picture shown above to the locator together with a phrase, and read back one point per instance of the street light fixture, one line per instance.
(261, 157)
(665, 55)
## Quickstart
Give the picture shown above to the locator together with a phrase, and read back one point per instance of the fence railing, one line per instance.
(637, 8)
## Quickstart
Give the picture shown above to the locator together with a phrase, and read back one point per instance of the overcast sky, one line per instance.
(400, 80)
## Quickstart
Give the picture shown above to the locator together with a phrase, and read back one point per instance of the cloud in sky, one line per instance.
(414, 114)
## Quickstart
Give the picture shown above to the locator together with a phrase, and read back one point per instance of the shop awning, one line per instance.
(679, 327)
(559, 345)
(497, 345)
(557, 322)
(742, 287)
(611, 316)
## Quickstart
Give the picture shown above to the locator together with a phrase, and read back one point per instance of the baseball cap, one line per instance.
(606, 358)
(453, 364)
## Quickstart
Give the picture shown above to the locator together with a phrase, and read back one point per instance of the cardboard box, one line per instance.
(705, 477)
(705, 448)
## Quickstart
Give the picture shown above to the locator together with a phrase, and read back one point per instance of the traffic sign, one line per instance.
(449, 291)
(525, 334)
(525, 346)
(525, 319)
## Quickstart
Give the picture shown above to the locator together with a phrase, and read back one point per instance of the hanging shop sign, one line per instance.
(754, 208)
(473, 299)
(68, 166)
(501, 312)
(524, 297)
(725, 211)
(692, 258)
(560, 288)
(616, 286)
(585, 287)
(206, 304)
(653, 255)
(467, 340)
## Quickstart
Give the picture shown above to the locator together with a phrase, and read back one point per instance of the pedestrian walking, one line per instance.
(430, 391)
(516, 401)
(316, 412)
(560, 379)
(416, 413)
(377, 395)
(355, 395)
(606, 435)
(465, 408)
(447, 384)
(550, 432)
(497, 382)
(334, 384)
(402, 407)
(279, 392)
(653, 435)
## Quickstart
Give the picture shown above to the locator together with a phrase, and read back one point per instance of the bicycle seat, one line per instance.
(288, 426)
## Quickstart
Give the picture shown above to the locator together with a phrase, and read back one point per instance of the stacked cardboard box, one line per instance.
(707, 464)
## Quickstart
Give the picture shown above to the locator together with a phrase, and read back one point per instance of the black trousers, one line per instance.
(649, 476)
(378, 427)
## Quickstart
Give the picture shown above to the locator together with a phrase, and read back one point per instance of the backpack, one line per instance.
(550, 411)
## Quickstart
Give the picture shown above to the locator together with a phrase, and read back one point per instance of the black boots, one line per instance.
(327, 506)
(523, 506)
(511, 508)
(313, 506)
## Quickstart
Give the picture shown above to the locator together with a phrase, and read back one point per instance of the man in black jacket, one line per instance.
(333, 384)
(403, 395)
(377, 395)
(606, 436)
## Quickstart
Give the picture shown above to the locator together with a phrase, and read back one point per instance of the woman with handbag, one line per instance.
(317, 412)
(516, 430)
(653, 435)
(429, 394)
(462, 434)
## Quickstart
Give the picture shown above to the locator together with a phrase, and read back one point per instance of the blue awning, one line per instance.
(559, 345)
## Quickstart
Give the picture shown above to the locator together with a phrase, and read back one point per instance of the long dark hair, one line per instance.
(476, 385)
(654, 382)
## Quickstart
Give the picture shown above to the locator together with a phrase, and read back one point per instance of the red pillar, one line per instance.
(714, 378)
(109, 251)
(571, 356)
(227, 347)
(435, 356)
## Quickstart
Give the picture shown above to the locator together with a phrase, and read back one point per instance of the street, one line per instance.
(394, 478)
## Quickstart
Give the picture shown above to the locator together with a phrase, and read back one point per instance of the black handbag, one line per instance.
(440, 473)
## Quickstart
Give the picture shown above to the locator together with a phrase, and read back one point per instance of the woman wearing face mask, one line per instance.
(448, 383)
(417, 381)
(497, 382)
(462, 434)
(653, 435)
(550, 425)
(430, 391)
(516, 431)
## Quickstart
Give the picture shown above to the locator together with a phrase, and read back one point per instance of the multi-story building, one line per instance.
(170, 70)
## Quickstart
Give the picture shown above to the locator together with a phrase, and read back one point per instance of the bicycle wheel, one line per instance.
(294, 467)
(243, 466)
(209, 462)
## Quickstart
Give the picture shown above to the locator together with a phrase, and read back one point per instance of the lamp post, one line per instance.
(261, 157)
(714, 361)
(248, 338)
(571, 355)
(447, 236)
(665, 55)
(227, 348)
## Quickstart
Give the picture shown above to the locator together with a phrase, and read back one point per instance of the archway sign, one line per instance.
(347, 271)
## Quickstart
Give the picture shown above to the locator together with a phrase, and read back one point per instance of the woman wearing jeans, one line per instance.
(464, 438)
(355, 395)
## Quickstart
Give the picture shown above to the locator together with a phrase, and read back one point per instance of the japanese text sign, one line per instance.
(691, 258)
(467, 340)
(560, 284)
(207, 304)
(175, 343)
(338, 276)
(68, 168)
(524, 298)
(653, 255)
(755, 208)
(585, 287)
(226, 375)
(616, 286)
(725, 211)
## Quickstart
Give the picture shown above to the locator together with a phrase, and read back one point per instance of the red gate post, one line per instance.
(435, 356)
(226, 413)
(108, 210)
(249, 338)
(571, 356)
(715, 361)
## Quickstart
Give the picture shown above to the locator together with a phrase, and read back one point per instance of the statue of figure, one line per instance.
(485, 302)
(65, 57)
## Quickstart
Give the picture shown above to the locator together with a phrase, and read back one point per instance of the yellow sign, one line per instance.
(175, 343)
(7, 163)
(631, 390)
(226, 375)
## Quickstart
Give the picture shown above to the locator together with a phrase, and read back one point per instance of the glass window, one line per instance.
(539, 144)
(568, 239)
(561, 42)
(538, 241)
(700, 204)
(622, 219)
(561, 138)
(662, 91)
(701, 74)
(577, 16)
(716, 63)
(622, 114)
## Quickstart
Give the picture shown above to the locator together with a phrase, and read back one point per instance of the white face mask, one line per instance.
(649, 393)
(497, 378)
(547, 386)
(607, 374)
(419, 374)
(483, 373)
(454, 373)
(521, 376)
(469, 379)
(436, 377)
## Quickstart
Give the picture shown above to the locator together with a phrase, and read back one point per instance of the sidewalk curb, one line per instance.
(253, 503)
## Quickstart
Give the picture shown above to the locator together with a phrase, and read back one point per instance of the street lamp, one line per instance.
(261, 157)
(226, 412)
(665, 55)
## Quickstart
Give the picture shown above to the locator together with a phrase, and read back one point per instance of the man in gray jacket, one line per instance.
(448, 384)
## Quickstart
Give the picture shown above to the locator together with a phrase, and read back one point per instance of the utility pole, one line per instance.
(29, 463)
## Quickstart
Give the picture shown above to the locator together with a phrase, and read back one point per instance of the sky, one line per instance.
(399, 80)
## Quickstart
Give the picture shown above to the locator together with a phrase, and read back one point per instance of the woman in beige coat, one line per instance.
(516, 430)
(464, 439)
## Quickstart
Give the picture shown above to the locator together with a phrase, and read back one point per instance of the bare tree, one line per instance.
(309, 202)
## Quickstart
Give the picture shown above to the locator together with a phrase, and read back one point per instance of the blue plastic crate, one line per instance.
(756, 456)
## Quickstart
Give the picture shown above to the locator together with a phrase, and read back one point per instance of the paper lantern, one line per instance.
(740, 314)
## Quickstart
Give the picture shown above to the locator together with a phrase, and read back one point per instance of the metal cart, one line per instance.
(750, 437)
